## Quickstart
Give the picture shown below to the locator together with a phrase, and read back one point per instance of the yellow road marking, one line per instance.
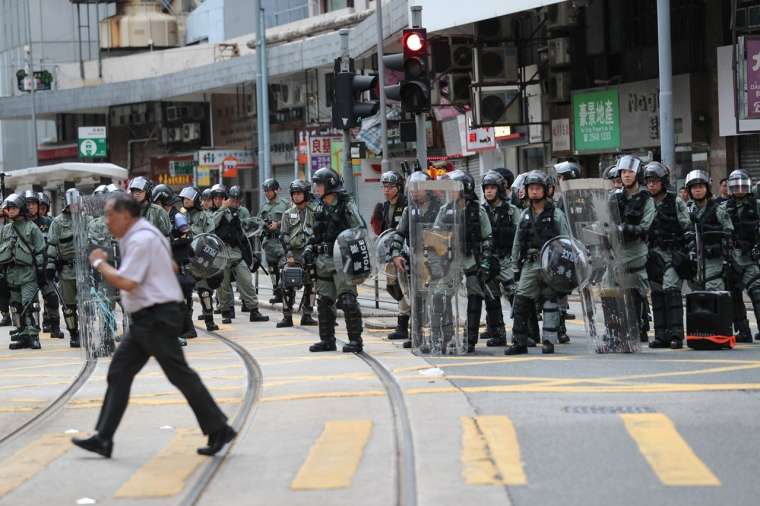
(335, 456)
(491, 452)
(166, 473)
(670, 457)
(30, 460)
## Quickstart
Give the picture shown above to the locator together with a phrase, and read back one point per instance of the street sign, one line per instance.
(92, 142)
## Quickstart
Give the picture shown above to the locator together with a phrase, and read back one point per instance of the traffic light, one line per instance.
(414, 90)
(347, 106)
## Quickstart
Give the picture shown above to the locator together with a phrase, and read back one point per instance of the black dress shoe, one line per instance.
(516, 349)
(95, 444)
(217, 440)
(256, 316)
(308, 321)
(323, 346)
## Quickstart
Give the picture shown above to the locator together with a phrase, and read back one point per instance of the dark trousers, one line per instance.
(153, 333)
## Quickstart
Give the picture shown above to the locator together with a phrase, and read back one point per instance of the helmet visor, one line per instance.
(739, 185)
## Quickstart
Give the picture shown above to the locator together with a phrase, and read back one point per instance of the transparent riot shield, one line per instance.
(564, 264)
(436, 252)
(209, 256)
(609, 306)
(353, 256)
(101, 317)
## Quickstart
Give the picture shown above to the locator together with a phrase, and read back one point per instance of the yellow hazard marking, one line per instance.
(30, 460)
(335, 456)
(491, 452)
(670, 457)
(167, 472)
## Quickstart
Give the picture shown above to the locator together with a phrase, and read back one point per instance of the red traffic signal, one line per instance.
(414, 41)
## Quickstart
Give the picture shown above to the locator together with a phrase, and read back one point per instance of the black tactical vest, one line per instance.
(711, 230)
(745, 221)
(665, 232)
(393, 220)
(229, 231)
(631, 209)
(329, 221)
(533, 233)
(502, 226)
(43, 222)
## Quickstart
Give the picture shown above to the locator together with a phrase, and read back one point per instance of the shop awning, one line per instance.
(51, 176)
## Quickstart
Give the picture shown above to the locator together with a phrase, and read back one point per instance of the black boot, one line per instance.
(522, 307)
(287, 321)
(276, 296)
(95, 444)
(660, 313)
(754, 296)
(402, 328)
(56, 332)
(308, 321)
(210, 325)
(562, 337)
(244, 308)
(547, 348)
(354, 346)
(534, 334)
(74, 339)
(353, 317)
(20, 343)
(227, 317)
(256, 316)
(675, 318)
(45, 326)
(495, 324)
(326, 316)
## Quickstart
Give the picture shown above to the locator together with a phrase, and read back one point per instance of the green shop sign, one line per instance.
(596, 119)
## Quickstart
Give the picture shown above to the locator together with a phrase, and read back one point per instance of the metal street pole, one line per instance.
(419, 118)
(30, 64)
(385, 163)
(265, 95)
(259, 103)
(667, 133)
(348, 172)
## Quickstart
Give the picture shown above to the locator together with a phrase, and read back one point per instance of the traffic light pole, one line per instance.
(419, 118)
(385, 164)
(348, 171)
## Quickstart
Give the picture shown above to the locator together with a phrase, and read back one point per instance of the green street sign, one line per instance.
(596, 120)
(92, 142)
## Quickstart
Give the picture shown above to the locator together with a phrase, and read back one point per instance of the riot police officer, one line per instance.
(335, 213)
(141, 189)
(667, 258)
(207, 203)
(428, 211)
(51, 320)
(387, 215)
(295, 232)
(478, 253)
(22, 252)
(60, 258)
(743, 210)
(270, 217)
(636, 212)
(539, 222)
(613, 174)
(201, 222)
(228, 227)
(503, 217)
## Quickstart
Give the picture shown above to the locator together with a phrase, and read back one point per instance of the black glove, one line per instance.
(308, 255)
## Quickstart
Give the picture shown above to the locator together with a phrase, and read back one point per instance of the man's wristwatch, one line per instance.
(97, 263)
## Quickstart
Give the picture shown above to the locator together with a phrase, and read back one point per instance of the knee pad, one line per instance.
(70, 316)
(205, 298)
(347, 302)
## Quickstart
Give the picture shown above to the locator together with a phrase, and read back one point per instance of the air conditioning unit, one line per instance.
(559, 51)
(249, 99)
(560, 16)
(494, 30)
(459, 88)
(496, 105)
(174, 134)
(461, 54)
(119, 117)
(172, 114)
(191, 132)
(495, 65)
(279, 96)
(558, 87)
(296, 96)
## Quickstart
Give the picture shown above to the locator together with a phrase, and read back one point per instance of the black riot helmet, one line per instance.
(468, 183)
(162, 195)
(31, 196)
(218, 190)
(392, 178)
(567, 170)
(191, 193)
(611, 172)
(328, 177)
(206, 194)
(270, 184)
(14, 200)
(536, 177)
(508, 175)
(657, 170)
(235, 192)
(302, 186)
(141, 183)
(493, 178)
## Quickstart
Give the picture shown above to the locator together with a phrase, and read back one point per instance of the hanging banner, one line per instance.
(752, 55)
(596, 121)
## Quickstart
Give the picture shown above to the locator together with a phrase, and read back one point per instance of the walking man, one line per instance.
(153, 298)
